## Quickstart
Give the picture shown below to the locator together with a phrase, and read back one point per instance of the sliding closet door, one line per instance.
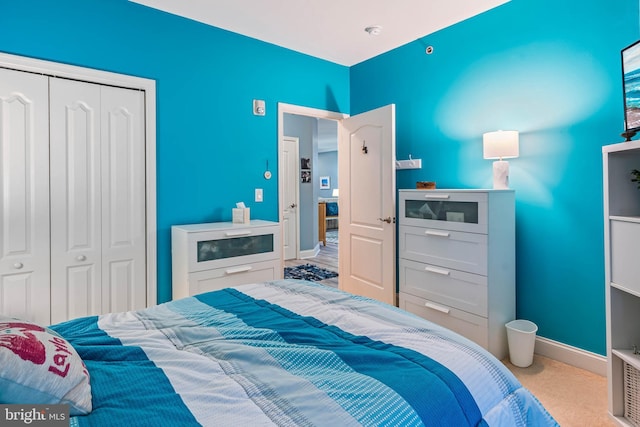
(123, 200)
(24, 196)
(97, 199)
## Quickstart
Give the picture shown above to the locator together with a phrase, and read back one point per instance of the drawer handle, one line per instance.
(237, 270)
(437, 307)
(437, 270)
(437, 196)
(238, 233)
(437, 233)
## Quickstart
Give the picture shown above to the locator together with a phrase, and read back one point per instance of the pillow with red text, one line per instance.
(38, 366)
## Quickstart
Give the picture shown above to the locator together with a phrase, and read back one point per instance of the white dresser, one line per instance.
(207, 257)
(457, 261)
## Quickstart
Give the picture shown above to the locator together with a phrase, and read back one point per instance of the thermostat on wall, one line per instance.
(258, 107)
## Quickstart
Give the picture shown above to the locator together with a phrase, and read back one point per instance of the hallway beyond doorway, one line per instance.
(326, 258)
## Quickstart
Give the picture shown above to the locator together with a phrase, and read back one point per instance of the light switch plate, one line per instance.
(258, 194)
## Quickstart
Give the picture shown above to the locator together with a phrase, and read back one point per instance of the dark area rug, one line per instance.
(308, 272)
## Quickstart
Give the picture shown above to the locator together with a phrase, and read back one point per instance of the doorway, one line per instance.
(306, 121)
(367, 200)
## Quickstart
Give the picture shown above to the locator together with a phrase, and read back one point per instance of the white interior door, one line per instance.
(366, 165)
(24, 196)
(291, 196)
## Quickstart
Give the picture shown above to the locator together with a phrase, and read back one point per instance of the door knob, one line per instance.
(292, 205)
(387, 219)
(81, 258)
(18, 265)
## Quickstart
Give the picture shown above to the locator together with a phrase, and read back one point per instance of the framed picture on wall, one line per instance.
(305, 176)
(305, 163)
(325, 182)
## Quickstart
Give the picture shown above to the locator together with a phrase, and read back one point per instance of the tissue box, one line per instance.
(240, 215)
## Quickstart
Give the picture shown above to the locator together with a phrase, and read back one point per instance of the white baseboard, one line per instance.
(310, 253)
(573, 356)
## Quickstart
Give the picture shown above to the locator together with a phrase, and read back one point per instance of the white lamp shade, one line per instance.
(502, 144)
(335, 193)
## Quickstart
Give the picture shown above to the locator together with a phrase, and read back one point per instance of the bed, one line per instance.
(289, 353)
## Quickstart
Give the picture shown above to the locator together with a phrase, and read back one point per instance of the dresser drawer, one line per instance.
(468, 325)
(231, 246)
(444, 209)
(444, 248)
(211, 280)
(453, 288)
(625, 268)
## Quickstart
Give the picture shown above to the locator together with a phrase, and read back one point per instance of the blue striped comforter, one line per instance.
(290, 353)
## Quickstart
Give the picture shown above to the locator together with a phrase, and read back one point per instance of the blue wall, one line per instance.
(211, 149)
(552, 71)
(328, 166)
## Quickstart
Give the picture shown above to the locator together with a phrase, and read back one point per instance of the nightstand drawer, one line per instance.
(220, 248)
(453, 288)
(211, 280)
(468, 325)
(625, 269)
(450, 249)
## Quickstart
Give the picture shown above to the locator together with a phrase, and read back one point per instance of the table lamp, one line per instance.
(502, 144)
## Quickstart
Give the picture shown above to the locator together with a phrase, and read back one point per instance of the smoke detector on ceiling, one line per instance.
(374, 30)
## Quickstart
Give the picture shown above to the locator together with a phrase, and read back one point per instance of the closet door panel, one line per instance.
(81, 299)
(123, 200)
(24, 196)
(122, 290)
(76, 258)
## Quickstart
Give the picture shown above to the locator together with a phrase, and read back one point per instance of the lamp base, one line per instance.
(500, 175)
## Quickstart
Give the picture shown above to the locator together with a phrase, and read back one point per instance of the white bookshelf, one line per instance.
(622, 276)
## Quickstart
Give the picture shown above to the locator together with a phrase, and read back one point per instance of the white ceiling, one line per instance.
(333, 30)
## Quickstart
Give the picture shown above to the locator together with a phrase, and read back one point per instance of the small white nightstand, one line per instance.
(217, 255)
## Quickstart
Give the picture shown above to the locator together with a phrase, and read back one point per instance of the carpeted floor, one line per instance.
(308, 272)
(574, 397)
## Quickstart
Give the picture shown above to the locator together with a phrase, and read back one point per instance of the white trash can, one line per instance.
(521, 336)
